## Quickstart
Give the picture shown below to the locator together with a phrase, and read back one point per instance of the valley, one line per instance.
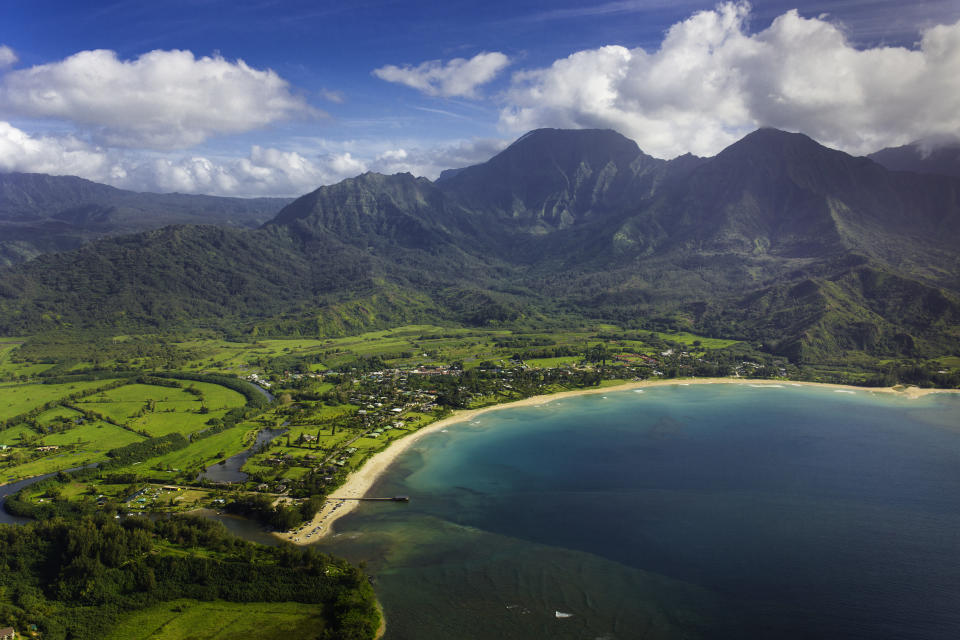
(218, 370)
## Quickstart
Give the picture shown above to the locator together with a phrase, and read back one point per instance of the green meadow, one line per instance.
(95, 436)
(218, 620)
(16, 399)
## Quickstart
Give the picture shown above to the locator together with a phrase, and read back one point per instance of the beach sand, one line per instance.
(344, 500)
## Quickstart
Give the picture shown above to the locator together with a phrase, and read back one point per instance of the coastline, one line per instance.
(344, 500)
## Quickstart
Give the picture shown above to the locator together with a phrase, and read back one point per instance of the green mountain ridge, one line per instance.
(42, 214)
(777, 239)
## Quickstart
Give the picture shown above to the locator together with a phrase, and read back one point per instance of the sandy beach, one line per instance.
(344, 500)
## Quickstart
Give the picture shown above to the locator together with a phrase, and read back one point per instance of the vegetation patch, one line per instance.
(220, 620)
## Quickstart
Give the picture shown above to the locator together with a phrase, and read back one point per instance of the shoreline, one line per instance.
(344, 500)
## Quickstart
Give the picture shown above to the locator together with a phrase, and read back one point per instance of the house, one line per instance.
(7, 633)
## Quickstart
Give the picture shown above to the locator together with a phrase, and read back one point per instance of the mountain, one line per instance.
(552, 179)
(41, 213)
(777, 240)
(919, 157)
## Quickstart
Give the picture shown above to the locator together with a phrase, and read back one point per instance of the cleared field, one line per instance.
(162, 410)
(203, 451)
(56, 414)
(94, 437)
(12, 435)
(549, 363)
(160, 424)
(8, 369)
(218, 620)
(705, 343)
(21, 398)
(49, 464)
(217, 397)
(82, 444)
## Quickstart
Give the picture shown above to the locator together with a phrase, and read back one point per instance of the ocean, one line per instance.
(701, 511)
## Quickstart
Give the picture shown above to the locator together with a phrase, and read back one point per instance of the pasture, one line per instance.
(220, 620)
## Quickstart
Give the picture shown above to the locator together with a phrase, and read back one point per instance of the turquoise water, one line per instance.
(721, 511)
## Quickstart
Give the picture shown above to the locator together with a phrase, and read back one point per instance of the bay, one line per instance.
(703, 511)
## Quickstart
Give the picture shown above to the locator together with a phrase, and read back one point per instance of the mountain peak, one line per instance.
(551, 178)
(769, 139)
(579, 138)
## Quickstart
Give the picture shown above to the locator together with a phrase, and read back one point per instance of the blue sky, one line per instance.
(278, 97)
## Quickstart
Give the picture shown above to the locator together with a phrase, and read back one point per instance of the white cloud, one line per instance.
(263, 172)
(332, 96)
(458, 77)
(161, 100)
(7, 57)
(59, 156)
(711, 81)
(430, 161)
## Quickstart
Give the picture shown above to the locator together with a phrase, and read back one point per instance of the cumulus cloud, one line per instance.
(263, 172)
(7, 57)
(67, 155)
(457, 77)
(431, 161)
(161, 100)
(711, 82)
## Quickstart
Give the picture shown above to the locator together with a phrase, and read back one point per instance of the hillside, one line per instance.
(43, 214)
(942, 159)
(778, 240)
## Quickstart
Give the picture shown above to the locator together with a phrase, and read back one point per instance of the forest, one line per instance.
(76, 578)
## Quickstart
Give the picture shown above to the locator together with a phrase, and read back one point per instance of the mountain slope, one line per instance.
(41, 213)
(942, 159)
(777, 240)
(552, 179)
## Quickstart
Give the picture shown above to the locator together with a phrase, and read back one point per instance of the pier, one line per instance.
(393, 499)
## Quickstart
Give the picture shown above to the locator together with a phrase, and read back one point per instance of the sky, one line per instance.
(279, 97)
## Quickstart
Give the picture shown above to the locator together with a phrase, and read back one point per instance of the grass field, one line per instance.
(21, 398)
(164, 410)
(96, 437)
(173, 410)
(219, 620)
(48, 464)
(217, 397)
(204, 451)
(56, 414)
(12, 435)
(549, 363)
(705, 343)
(89, 443)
